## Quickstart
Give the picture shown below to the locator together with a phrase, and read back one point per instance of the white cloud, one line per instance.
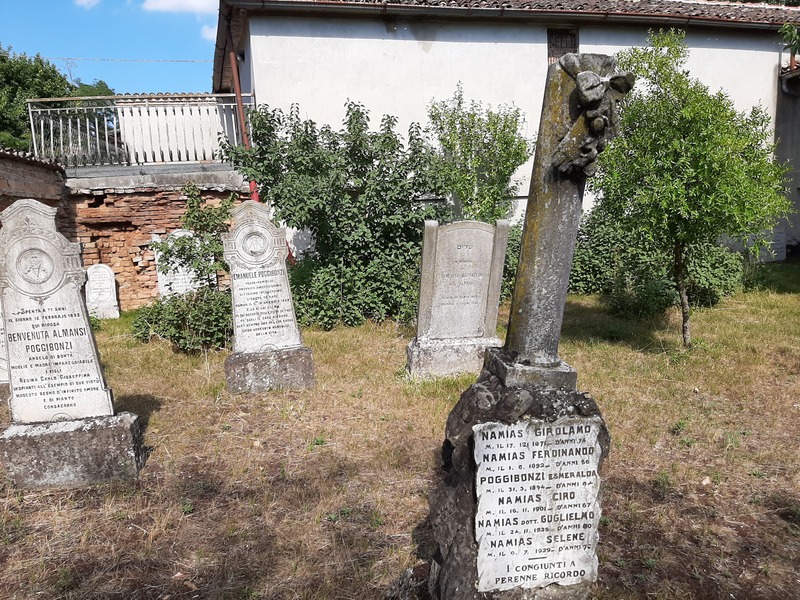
(209, 33)
(87, 3)
(190, 6)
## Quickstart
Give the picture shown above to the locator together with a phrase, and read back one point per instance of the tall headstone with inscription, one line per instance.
(516, 515)
(101, 292)
(64, 430)
(461, 274)
(175, 281)
(268, 351)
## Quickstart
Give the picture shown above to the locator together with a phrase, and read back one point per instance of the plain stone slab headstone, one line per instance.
(101, 292)
(54, 368)
(176, 281)
(461, 276)
(268, 351)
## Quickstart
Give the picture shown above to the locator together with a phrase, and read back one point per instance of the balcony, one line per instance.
(134, 130)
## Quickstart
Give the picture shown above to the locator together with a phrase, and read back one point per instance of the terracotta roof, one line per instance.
(682, 9)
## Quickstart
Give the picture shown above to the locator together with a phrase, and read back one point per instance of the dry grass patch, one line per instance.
(322, 494)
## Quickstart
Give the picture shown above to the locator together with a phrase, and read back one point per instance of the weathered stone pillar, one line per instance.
(517, 512)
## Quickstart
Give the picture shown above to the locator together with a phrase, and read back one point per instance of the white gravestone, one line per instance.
(101, 292)
(461, 275)
(268, 351)
(538, 502)
(176, 281)
(54, 369)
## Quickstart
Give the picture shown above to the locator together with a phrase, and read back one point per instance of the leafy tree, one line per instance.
(478, 151)
(97, 88)
(21, 78)
(360, 193)
(687, 167)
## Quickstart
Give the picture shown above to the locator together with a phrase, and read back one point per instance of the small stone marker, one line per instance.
(461, 275)
(522, 440)
(55, 375)
(176, 281)
(101, 292)
(268, 351)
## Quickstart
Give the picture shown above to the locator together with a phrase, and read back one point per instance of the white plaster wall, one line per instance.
(744, 65)
(397, 68)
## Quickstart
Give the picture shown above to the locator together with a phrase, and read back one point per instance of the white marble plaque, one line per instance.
(101, 292)
(538, 508)
(54, 369)
(263, 311)
(176, 281)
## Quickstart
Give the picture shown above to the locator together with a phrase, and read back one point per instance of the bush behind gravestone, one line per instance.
(634, 276)
(361, 193)
(193, 322)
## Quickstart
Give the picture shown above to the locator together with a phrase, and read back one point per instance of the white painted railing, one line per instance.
(133, 130)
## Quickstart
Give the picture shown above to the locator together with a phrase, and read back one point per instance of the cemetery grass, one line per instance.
(322, 494)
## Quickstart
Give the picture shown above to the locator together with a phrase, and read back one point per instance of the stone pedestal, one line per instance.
(73, 453)
(430, 358)
(531, 457)
(287, 368)
(268, 351)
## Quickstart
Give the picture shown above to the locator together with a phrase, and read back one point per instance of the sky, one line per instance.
(135, 39)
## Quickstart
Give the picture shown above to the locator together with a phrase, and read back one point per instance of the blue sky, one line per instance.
(145, 32)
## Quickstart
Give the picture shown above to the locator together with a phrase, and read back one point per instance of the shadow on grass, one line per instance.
(590, 322)
(671, 543)
(782, 278)
(142, 405)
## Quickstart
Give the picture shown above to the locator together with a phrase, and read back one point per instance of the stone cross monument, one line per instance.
(516, 515)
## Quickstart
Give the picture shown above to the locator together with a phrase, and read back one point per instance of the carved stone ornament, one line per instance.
(593, 107)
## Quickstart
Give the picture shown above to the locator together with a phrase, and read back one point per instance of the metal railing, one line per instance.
(133, 130)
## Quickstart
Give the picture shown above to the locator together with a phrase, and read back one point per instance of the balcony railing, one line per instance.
(133, 130)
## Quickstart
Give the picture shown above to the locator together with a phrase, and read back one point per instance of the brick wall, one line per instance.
(114, 224)
(22, 176)
(115, 227)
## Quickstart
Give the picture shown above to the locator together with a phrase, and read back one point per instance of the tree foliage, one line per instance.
(201, 252)
(361, 194)
(202, 319)
(687, 168)
(21, 78)
(478, 151)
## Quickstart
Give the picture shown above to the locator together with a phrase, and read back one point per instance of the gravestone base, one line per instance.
(284, 369)
(455, 571)
(429, 358)
(560, 376)
(75, 453)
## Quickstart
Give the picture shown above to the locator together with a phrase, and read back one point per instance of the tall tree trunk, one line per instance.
(679, 278)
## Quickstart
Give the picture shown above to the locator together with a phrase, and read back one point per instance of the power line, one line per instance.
(151, 60)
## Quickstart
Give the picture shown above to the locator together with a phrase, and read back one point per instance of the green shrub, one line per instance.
(634, 277)
(361, 194)
(193, 322)
(511, 261)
